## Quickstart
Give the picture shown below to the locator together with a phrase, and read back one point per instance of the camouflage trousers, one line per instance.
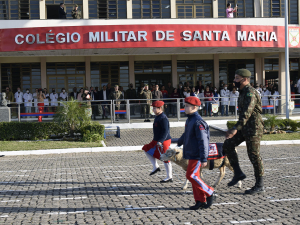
(253, 150)
(147, 111)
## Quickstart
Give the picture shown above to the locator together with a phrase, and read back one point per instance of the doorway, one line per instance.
(67, 82)
(52, 11)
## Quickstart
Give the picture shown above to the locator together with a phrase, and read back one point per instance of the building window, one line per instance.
(114, 73)
(15, 10)
(275, 8)
(52, 7)
(25, 75)
(194, 8)
(193, 71)
(77, 68)
(146, 9)
(107, 9)
(245, 8)
(227, 69)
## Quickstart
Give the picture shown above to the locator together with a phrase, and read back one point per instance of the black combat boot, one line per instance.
(258, 188)
(198, 205)
(238, 175)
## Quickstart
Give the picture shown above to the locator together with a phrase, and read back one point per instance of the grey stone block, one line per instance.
(5, 114)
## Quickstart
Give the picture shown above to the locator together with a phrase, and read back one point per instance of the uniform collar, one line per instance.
(193, 114)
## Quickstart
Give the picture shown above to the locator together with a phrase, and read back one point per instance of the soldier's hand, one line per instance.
(230, 133)
(204, 164)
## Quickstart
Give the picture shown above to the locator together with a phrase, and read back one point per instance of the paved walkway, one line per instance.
(115, 188)
(134, 137)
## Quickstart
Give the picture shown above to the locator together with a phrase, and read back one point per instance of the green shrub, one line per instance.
(289, 124)
(29, 130)
(230, 124)
(272, 122)
(35, 131)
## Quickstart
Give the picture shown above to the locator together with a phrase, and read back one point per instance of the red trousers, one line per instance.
(200, 189)
(41, 109)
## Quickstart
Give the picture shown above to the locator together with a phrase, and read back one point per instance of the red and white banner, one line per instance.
(144, 36)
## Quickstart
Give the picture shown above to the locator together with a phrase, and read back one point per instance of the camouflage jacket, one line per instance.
(146, 95)
(115, 95)
(76, 14)
(250, 120)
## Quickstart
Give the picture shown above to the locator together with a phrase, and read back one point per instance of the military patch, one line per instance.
(249, 94)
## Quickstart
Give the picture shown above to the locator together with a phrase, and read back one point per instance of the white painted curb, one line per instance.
(120, 148)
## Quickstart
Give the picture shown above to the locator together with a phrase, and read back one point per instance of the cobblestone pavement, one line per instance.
(134, 137)
(115, 188)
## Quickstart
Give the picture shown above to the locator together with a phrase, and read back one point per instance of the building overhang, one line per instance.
(145, 37)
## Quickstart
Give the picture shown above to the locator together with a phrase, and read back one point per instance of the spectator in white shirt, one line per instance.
(265, 98)
(274, 99)
(224, 100)
(46, 101)
(28, 101)
(53, 98)
(34, 95)
(19, 98)
(233, 100)
(63, 95)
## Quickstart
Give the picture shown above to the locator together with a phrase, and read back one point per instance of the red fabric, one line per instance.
(158, 104)
(292, 95)
(41, 109)
(200, 189)
(208, 94)
(152, 144)
(192, 100)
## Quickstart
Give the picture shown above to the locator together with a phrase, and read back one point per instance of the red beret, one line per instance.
(158, 104)
(192, 100)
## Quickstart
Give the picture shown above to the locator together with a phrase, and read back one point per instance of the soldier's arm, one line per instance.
(250, 100)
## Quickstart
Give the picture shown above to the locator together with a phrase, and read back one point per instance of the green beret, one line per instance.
(243, 72)
(145, 85)
(116, 85)
(76, 5)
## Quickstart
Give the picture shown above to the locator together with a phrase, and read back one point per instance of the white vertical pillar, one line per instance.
(282, 82)
(263, 71)
(85, 9)
(0, 80)
(261, 8)
(258, 70)
(43, 73)
(129, 9)
(216, 71)
(173, 9)
(88, 71)
(257, 8)
(215, 9)
(174, 71)
(42, 9)
(131, 70)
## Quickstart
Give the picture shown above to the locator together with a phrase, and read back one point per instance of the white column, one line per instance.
(281, 82)
(88, 71)
(42, 9)
(258, 71)
(216, 71)
(43, 72)
(215, 9)
(85, 9)
(173, 9)
(129, 9)
(131, 70)
(174, 71)
(257, 8)
(263, 71)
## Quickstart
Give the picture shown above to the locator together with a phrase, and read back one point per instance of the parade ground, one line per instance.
(115, 188)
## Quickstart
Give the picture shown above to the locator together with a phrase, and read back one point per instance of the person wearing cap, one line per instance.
(76, 13)
(146, 94)
(161, 137)
(195, 141)
(117, 96)
(249, 128)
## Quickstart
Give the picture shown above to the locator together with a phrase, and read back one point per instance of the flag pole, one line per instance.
(287, 70)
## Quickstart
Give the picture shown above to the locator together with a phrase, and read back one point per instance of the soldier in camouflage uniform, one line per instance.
(146, 94)
(249, 128)
(115, 95)
(76, 13)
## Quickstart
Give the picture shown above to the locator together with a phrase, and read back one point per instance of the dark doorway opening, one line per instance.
(52, 11)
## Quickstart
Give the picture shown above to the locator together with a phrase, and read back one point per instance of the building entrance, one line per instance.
(67, 82)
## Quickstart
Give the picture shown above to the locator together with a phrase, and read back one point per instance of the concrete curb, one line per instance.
(120, 148)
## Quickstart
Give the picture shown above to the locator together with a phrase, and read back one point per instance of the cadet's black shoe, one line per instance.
(148, 120)
(155, 171)
(236, 179)
(255, 190)
(209, 200)
(167, 181)
(145, 121)
(198, 205)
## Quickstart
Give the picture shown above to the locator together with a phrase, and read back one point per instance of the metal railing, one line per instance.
(128, 110)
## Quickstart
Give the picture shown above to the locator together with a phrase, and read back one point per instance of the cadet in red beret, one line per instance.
(161, 137)
(195, 141)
